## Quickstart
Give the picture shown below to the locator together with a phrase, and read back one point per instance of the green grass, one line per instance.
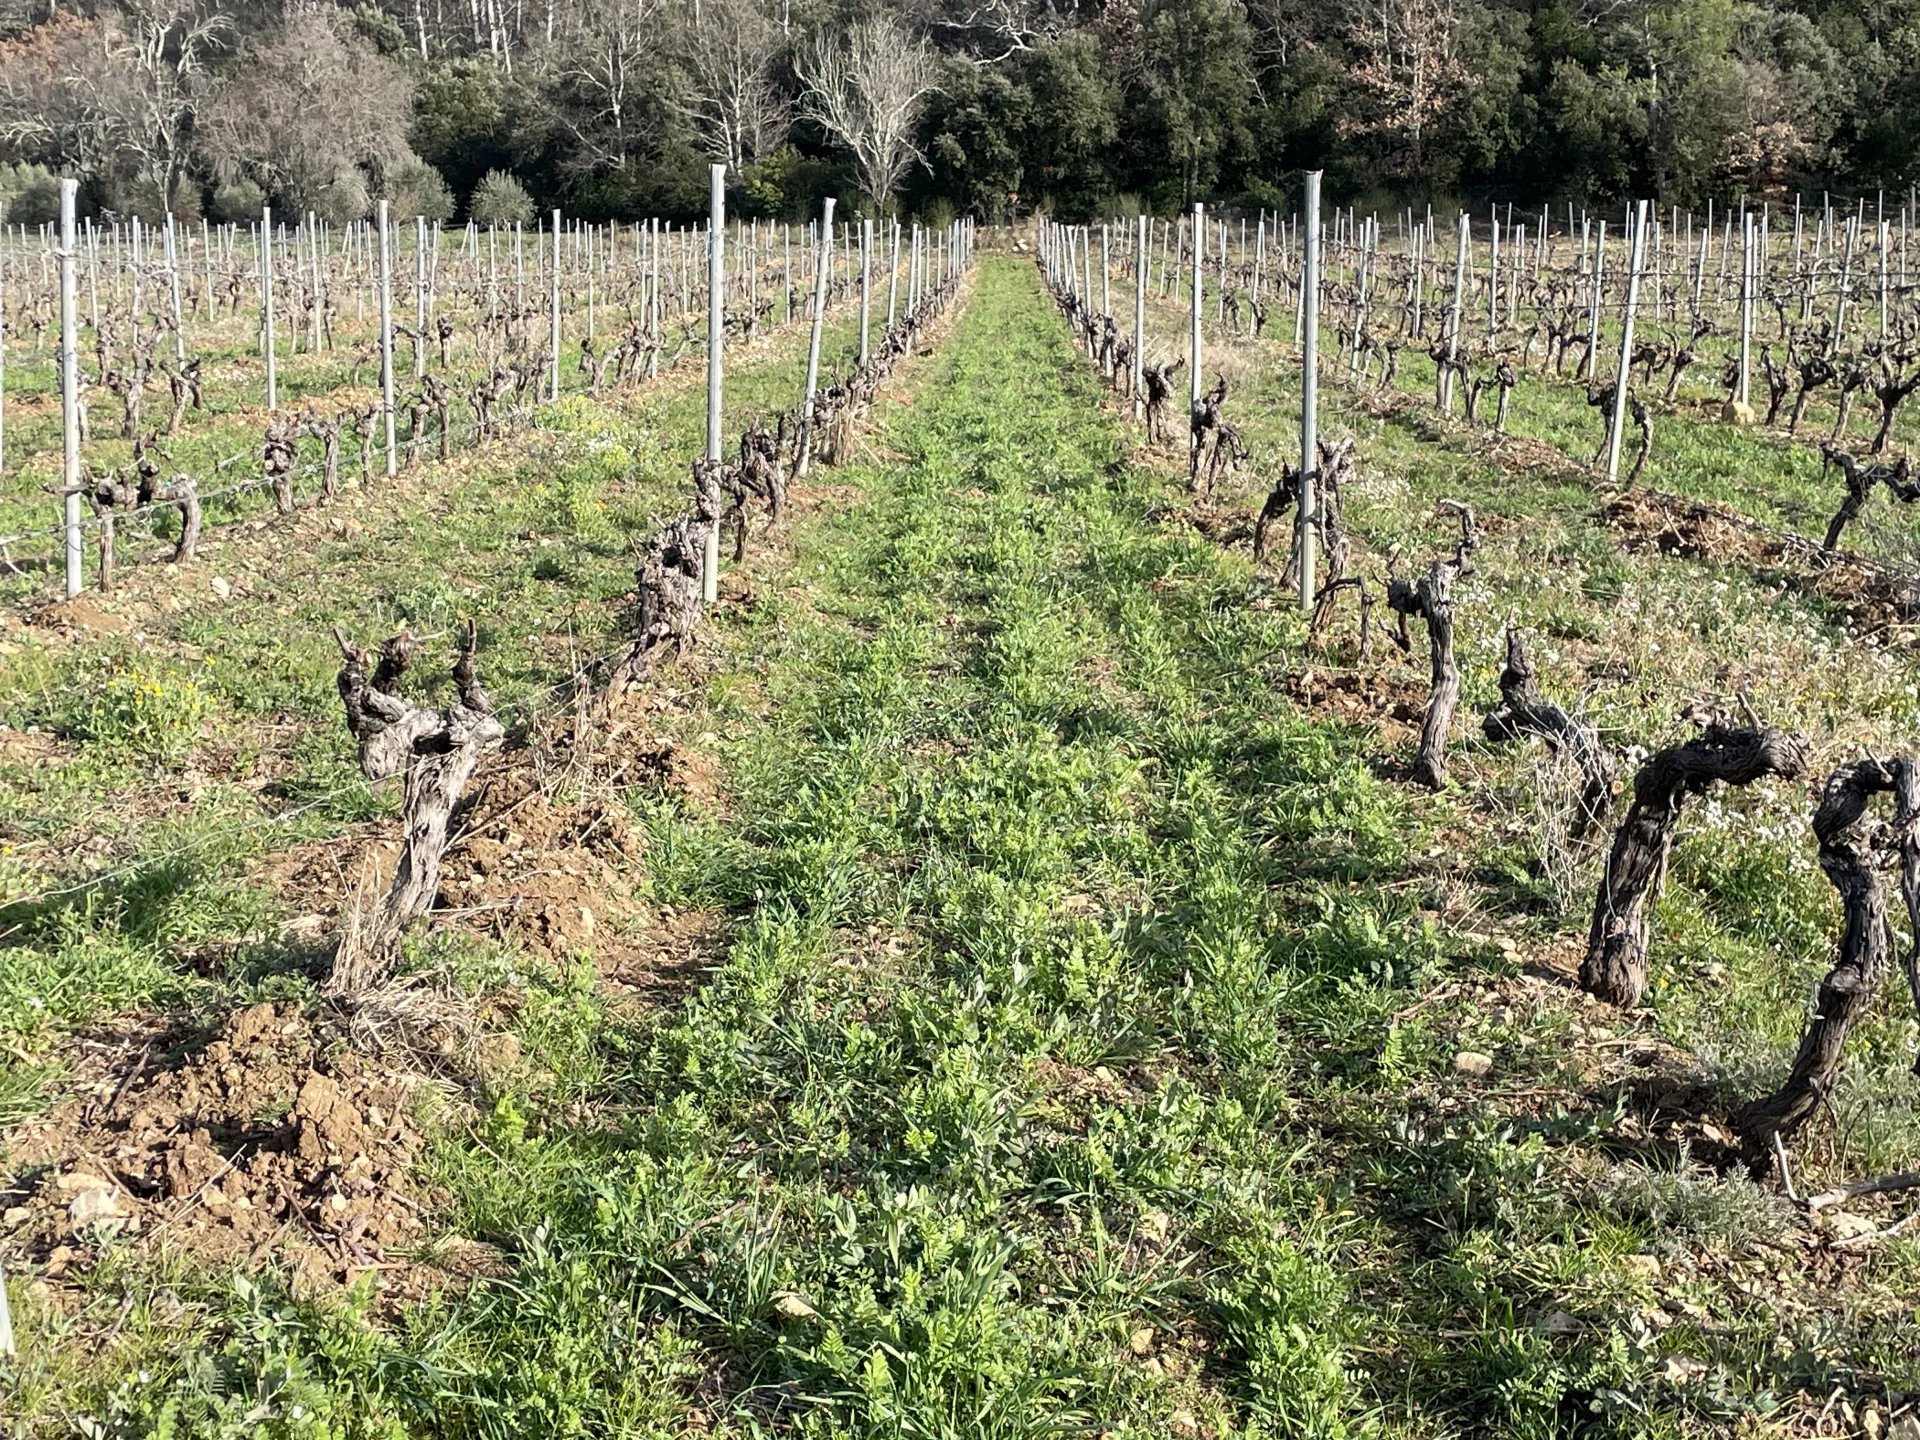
(177, 753)
(1630, 639)
(1080, 1058)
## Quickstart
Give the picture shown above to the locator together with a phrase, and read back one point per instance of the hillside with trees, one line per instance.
(614, 108)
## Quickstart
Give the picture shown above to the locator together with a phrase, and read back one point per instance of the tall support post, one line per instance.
(1762, 252)
(893, 274)
(321, 332)
(386, 335)
(1199, 249)
(206, 262)
(493, 271)
(1846, 284)
(1142, 265)
(266, 304)
(813, 339)
(1493, 278)
(419, 295)
(716, 355)
(1220, 290)
(1748, 260)
(69, 389)
(1360, 295)
(173, 291)
(1106, 276)
(1419, 280)
(553, 313)
(653, 302)
(1637, 250)
(1306, 522)
(138, 269)
(686, 276)
(1700, 264)
(866, 290)
(1519, 271)
(1592, 357)
(311, 231)
(1886, 245)
(1454, 316)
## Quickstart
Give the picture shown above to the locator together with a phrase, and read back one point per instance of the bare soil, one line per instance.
(273, 1137)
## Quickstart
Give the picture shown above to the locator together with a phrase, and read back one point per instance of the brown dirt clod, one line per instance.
(550, 873)
(1866, 593)
(273, 1137)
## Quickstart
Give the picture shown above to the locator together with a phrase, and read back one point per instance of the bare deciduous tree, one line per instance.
(45, 90)
(307, 114)
(603, 58)
(161, 51)
(866, 89)
(115, 93)
(1407, 66)
(727, 53)
(990, 31)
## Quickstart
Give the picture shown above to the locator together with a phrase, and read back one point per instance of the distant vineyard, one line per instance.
(219, 369)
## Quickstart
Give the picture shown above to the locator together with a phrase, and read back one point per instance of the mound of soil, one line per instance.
(1358, 696)
(549, 873)
(1222, 524)
(666, 768)
(527, 863)
(1519, 455)
(273, 1137)
(1646, 520)
(1384, 404)
(82, 615)
(805, 496)
(1868, 594)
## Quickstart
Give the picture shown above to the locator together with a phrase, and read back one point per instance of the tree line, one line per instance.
(497, 109)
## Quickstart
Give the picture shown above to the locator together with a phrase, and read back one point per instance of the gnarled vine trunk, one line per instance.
(1848, 838)
(435, 752)
(1431, 599)
(1615, 968)
(1525, 711)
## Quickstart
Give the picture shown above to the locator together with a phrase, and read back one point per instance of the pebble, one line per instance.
(96, 1203)
(1843, 1226)
(1473, 1064)
(1641, 1267)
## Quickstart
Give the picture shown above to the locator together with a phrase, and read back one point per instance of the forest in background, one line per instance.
(499, 109)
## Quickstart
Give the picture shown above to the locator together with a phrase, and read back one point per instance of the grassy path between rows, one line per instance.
(1065, 1070)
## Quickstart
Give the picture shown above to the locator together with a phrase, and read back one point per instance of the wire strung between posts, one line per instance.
(1787, 539)
(312, 468)
(526, 713)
